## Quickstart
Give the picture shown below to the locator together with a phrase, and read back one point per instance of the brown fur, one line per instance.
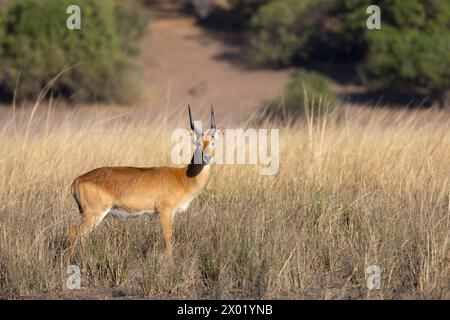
(162, 190)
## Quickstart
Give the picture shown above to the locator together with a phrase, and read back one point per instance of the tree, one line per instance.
(404, 59)
(36, 45)
(410, 52)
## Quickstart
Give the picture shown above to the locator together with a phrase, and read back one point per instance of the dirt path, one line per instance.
(185, 63)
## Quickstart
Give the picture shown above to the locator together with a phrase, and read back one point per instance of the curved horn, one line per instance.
(190, 118)
(213, 119)
(191, 122)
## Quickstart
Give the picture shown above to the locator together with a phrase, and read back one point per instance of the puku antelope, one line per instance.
(126, 192)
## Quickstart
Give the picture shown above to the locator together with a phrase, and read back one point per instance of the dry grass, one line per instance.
(369, 188)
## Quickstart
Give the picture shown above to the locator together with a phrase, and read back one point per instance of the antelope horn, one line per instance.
(213, 119)
(191, 122)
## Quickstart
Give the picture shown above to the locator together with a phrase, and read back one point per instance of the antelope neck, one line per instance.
(195, 170)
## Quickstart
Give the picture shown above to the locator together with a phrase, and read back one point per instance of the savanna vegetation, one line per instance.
(408, 54)
(95, 63)
(368, 188)
(307, 90)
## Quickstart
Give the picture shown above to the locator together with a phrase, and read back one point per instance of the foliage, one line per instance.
(283, 29)
(307, 92)
(402, 58)
(36, 45)
(410, 50)
(413, 47)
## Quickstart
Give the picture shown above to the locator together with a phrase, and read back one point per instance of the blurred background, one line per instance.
(246, 57)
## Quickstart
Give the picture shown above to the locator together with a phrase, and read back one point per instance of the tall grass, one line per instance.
(371, 188)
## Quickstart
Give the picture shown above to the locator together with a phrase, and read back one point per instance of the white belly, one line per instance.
(122, 214)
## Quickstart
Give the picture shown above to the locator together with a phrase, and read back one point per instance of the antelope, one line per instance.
(128, 192)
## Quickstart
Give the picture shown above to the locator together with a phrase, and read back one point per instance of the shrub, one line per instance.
(282, 29)
(36, 45)
(2, 30)
(410, 50)
(402, 58)
(307, 92)
(287, 32)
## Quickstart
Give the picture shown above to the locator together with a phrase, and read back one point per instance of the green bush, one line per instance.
(403, 58)
(282, 30)
(412, 48)
(286, 32)
(410, 51)
(307, 92)
(2, 29)
(36, 45)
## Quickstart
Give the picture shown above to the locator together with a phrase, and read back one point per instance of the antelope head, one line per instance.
(204, 142)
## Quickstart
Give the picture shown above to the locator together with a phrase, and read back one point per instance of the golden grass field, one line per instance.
(370, 187)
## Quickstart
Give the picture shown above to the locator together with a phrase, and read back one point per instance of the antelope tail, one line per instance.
(76, 195)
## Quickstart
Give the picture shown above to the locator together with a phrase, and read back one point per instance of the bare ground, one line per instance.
(187, 64)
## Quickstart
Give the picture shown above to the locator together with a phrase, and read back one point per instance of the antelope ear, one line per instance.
(218, 134)
(212, 132)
